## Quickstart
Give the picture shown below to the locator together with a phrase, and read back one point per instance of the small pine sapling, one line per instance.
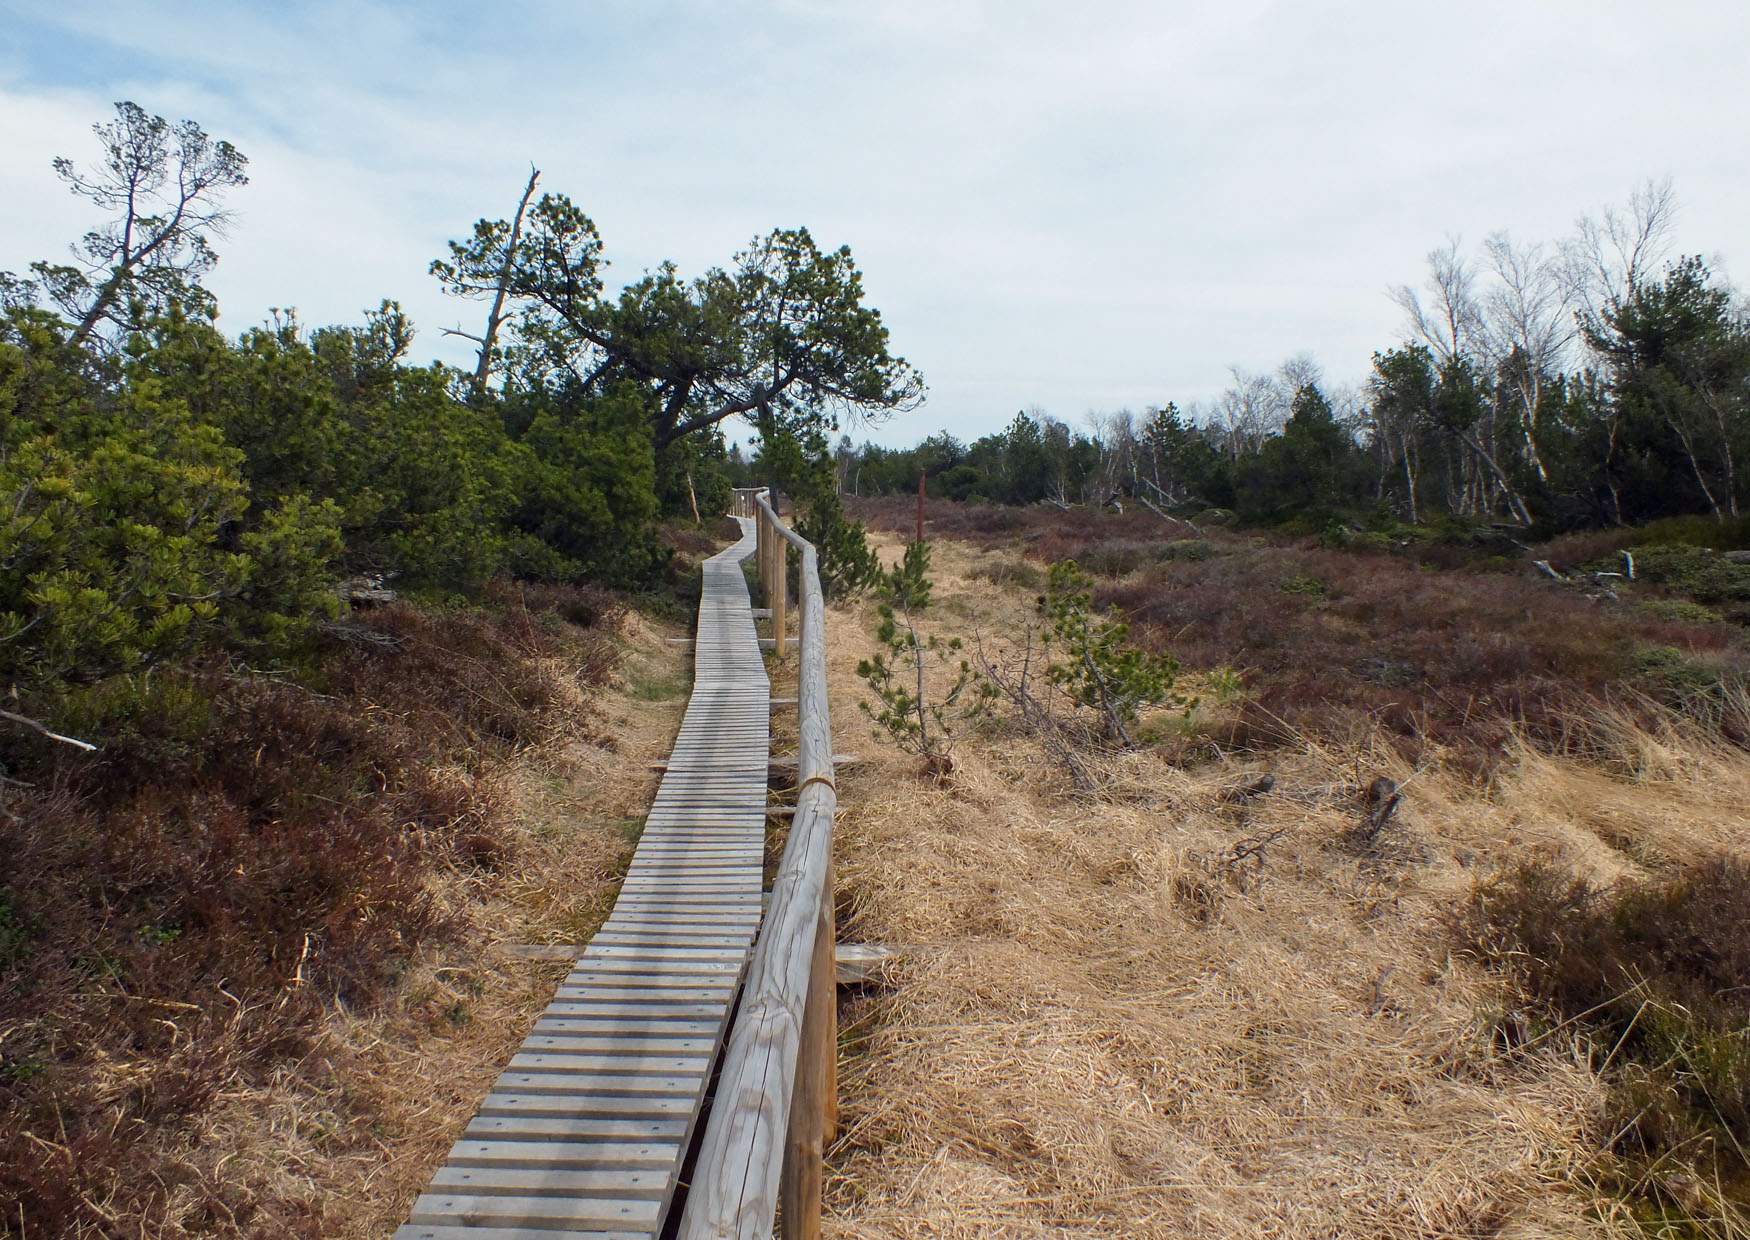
(897, 673)
(1098, 669)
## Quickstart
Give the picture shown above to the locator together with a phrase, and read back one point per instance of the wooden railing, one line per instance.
(760, 1161)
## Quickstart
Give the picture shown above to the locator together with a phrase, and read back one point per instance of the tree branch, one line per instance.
(33, 724)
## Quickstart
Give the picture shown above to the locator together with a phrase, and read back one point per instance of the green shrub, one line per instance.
(129, 531)
(1011, 573)
(1190, 549)
(1681, 610)
(1674, 677)
(1093, 662)
(905, 708)
(1302, 583)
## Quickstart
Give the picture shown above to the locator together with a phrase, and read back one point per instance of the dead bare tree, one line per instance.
(1450, 320)
(482, 267)
(1251, 410)
(1611, 254)
(1528, 326)
(1451, 323)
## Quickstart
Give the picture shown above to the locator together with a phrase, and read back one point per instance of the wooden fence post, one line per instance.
(799, 1185)
(780, 592)
(762, 550)
(830, 1002)
(759, 546)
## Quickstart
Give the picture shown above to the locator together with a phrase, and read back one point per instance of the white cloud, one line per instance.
(1076, 208)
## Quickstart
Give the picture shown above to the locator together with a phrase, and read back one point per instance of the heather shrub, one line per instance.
(1655, 974)
(1015, 574)
(1703, 575)
(242, 856)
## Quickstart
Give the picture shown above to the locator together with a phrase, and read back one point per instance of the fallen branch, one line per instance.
(1016, 684)
(33, 724)
(1167, 516)
(1245, 792)
(1383, 799)
(1250, 851)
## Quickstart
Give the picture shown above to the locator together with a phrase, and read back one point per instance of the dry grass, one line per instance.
(1110, 1019)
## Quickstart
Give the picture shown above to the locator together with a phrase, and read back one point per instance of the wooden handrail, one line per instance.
(775, 1106)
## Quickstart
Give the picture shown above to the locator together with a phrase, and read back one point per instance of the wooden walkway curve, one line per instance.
(585, 1132)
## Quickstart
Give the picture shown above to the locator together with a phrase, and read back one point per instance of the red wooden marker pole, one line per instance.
(920, 505)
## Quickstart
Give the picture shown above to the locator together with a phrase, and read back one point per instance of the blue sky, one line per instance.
(1080, 208)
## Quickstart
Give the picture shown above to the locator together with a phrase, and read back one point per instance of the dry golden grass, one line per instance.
(1104, 1023)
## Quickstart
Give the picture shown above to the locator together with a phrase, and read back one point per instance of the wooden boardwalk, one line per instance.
(584, 1133)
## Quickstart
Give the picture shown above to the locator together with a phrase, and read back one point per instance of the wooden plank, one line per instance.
(619, 1065)
(439, 1231)
(608, 1084)
(619, 1044)
(550, 1183)
(617, 1024)
(565, 1155)
(494, 1210)
(575, 1128)
(615, 1106)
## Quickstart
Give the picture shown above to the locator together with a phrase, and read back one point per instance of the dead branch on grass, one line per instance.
(1015, 679)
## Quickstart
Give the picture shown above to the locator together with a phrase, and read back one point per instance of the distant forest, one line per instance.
(1558, 386)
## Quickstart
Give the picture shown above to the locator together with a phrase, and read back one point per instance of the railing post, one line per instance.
(780, 591)
(762, 546)
(811, 1106)
(829, 1128)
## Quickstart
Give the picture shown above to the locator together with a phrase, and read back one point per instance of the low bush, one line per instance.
(1452, 660)
(1016, 574)
(1703, 575)
(1122, 557)
(1591, 546)
(1655, 974)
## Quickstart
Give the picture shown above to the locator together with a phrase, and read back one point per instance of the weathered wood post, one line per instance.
(780, 591)
(828, 968)
(767, 537)
(759, 544)
(800, 1183)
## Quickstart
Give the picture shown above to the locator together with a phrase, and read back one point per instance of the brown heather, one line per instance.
(249, 983)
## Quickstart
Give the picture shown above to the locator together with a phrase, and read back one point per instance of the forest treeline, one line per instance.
(167, 489)
(1553, 386)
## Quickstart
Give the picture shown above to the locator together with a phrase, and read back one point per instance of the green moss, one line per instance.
(1681, 610)
(1705, 576)
(1671, 675)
